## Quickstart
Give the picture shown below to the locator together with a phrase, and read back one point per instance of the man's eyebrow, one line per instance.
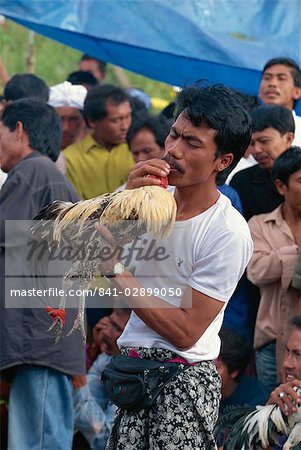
(191, 137)
(173, 128)
(117, 116)
(116, 325)
(187, 137)
(277, 73)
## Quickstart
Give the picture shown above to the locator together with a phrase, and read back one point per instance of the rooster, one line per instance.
(261, 428)
(127, 215)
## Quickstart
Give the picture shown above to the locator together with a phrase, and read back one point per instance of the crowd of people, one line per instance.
(233, 164)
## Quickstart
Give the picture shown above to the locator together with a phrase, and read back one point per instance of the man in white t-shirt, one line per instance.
(281, 85)
(181, 285)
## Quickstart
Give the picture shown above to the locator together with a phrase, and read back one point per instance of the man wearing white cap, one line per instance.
(68, 100)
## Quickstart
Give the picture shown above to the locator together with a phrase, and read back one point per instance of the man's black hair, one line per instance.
(296, 72)
(138, 107)
(81, 77)
(249, 102)
(95, 106)
(221, 109)
(286, 164)
(26, 86)
(169, 110)
(101, 64)
(41, 123)
(296, 321)
(235, 352)
(273, 116)
(158, 125)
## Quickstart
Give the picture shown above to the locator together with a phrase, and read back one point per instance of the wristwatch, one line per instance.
(118, 269)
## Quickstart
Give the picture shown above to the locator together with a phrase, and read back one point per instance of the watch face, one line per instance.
(118, 269)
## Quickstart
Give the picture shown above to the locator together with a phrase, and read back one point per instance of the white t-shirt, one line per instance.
(209, 253)
(244, 163)
(3, 177)
(297, 139)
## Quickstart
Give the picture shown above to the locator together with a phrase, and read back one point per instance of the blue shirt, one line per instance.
(249, 392)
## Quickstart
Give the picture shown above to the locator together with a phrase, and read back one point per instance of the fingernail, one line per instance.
(157, 180)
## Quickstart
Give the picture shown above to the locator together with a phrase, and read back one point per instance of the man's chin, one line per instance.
(174, 177)
(273, 100)
(265, 166)
(66, 143)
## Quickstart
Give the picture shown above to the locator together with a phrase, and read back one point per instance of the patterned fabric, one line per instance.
(183, 416)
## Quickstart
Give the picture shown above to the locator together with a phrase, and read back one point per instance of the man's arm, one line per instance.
(182, 326)
(268, 265)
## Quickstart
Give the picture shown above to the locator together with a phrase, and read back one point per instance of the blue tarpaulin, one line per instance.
(175, 41)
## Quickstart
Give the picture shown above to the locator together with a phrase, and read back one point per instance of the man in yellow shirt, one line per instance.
(102, 160)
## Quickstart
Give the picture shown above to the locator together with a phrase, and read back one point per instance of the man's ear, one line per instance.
(19, 131)
(280, 186)
(234, 374)
(224, 161)
(296, 93)
(90, 123)
(21, 135)
(290, 137)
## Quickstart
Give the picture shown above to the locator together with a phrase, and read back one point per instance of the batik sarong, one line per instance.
(183, 416)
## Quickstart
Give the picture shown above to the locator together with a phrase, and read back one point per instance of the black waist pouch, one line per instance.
(135, 383)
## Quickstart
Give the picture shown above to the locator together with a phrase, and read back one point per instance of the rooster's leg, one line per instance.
(79, 323)
(58, 322)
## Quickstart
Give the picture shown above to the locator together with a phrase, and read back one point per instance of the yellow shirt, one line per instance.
(93, 170)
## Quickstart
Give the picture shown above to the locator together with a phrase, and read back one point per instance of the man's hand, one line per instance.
(280, 397)
(140, 174)
(97, 332)
(79, 381)
(97, 335)
(107, 265)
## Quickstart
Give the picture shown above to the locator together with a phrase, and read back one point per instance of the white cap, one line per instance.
(67, 94)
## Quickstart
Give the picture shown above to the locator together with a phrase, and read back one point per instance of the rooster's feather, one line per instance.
(127, 214)
(262, 427)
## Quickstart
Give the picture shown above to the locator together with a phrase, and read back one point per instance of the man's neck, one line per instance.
(194, 200)
(290, 106)
(290, 214)
(228, 390)
(106, 145)
(26, 151)
(293, 219)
